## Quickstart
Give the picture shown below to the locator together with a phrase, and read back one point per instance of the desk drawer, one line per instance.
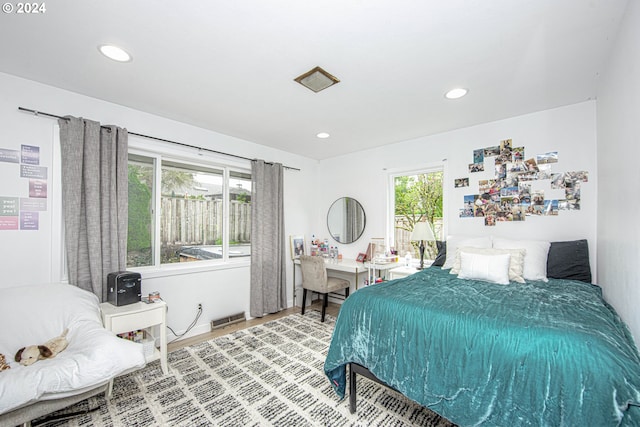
(133, 321)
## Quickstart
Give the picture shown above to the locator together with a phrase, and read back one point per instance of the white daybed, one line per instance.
(31, 315)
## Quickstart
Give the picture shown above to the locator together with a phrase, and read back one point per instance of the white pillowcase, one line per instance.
(455, 242)
(516, 265)
(535, 259)
(490, 268)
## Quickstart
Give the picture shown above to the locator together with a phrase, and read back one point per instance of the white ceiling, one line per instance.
(229, 65)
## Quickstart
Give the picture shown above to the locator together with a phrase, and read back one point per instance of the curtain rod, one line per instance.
(41, 113)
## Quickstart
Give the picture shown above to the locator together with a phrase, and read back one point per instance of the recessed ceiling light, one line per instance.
(323, 135)
(114, 52)
(456, 93)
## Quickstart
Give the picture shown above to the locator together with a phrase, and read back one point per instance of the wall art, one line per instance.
(508, 196)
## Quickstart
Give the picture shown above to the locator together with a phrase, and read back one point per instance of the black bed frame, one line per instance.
(354, 369)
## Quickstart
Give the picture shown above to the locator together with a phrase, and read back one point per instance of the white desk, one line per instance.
(345, 265)
(399, 272)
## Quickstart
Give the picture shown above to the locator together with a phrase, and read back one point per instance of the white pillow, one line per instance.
(455, 242)
(516, 265)
(535, 259)
(490, 268)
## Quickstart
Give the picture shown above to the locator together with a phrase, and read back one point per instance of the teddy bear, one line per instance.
(31, 354)
(3, 363)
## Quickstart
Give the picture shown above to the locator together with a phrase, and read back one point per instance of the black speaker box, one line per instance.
(123, 287)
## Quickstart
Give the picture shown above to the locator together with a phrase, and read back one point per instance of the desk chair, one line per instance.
(315, 279)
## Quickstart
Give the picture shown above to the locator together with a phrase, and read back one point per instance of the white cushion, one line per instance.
(455, 242)
(516, 265)
(490, 268)
(535, 258)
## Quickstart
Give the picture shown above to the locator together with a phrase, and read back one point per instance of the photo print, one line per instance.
(573, 195)
(537, 198)
(501, 170)
(551, 207)
(511, 180)
(509, 192)
(490, 220)
(484, 186)
(524, 192)
(543, 174)
(568, 205)
(581, 176)
(478, 155)
(518, 212)
(478, 205)
(550, 157)
(506, 144)
(461, 182)
(492, 151)
(505, 151)
(518, 154)
(476, 167)
(532, 165)
(506, 203)
(557, 181)
(516, 166)
(538, 210)
(467, 210)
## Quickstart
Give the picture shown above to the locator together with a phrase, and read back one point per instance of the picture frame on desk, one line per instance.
(297, 246)
(361, 257)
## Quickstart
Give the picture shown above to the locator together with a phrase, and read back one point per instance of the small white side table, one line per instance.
(136, 316)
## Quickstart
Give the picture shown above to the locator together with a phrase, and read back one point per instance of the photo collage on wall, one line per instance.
(509, 196)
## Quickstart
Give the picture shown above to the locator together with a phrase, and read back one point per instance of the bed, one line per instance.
(479, 353)
(34, 314)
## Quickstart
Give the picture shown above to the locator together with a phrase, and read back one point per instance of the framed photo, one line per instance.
(361, 257)
(297, 246)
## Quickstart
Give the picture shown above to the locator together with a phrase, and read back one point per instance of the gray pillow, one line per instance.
(569, 260)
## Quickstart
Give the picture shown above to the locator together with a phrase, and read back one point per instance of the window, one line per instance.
(197, 213)
(416, 197)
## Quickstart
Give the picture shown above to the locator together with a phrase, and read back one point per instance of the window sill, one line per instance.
(179, 269)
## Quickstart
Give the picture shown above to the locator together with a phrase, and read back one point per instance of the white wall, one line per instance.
(568, 130)
(28, 257)
(619, 173)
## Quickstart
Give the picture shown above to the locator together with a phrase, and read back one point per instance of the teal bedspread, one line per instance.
(484, 354)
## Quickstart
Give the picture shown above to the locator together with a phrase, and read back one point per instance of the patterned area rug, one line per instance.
(266, 375)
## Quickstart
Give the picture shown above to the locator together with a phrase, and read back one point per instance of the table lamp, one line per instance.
(422, 231)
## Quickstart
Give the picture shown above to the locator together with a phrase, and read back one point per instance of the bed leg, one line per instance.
(109, 391)
(352, 390)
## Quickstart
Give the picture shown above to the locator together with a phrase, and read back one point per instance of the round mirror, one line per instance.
(346, 220)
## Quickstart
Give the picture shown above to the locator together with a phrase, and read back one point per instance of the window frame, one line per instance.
(391, 200)
(195, 160)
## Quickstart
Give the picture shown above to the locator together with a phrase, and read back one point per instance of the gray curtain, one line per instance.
(268, 287)
(94, 201)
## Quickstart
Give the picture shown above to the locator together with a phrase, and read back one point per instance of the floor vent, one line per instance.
(229, 320)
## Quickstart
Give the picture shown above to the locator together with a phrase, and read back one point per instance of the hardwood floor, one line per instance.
(332, 309)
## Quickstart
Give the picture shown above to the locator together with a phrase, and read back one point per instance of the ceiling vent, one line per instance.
(317, 79)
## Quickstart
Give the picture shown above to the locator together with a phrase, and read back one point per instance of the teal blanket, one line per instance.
(479, 353)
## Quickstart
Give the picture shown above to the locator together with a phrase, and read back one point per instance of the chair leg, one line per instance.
(304, 299)
(324, 306)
